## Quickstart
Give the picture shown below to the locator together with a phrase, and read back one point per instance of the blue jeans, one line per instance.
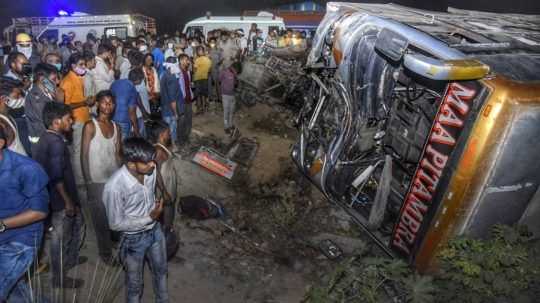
(125, 128)
(172, 122)
(142, 129)
(15, 260)
(65, 244)
(134, 249)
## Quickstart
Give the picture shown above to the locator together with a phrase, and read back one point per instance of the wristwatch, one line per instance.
(2, 227)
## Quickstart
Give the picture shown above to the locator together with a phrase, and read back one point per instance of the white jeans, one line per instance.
(228, 110)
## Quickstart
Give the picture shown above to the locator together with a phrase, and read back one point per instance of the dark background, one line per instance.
(172, 14)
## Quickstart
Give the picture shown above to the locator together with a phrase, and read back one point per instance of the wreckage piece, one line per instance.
(453, 99)
(273, 79)
(293, 52)
(198, 208)
(330, 249)
(243, 151)
(215, 162)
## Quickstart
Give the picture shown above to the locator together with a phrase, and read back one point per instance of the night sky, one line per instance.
(172, 14)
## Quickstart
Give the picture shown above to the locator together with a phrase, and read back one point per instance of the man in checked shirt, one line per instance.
(132, 210)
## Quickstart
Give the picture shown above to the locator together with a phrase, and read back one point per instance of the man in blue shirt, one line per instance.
(23, 189)
(171, 95)
(159, 57)
(126, 97)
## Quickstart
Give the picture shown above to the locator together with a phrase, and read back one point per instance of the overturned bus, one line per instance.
(423, 125)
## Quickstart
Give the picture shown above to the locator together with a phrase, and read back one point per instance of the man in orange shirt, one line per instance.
(73, 86)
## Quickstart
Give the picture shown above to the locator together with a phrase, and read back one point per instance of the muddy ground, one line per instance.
(267, 251)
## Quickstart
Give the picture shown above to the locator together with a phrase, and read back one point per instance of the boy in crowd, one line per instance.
(23, 188)
(133, 210)
(126, 97)
(201, 70)
(185, 121)
(159, 134)
(101, 147)
(171, 94)
(227, 79)
(216, 55)
(66, 219)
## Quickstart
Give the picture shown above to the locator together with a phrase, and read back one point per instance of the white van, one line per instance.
(265, 22)
(121, 26)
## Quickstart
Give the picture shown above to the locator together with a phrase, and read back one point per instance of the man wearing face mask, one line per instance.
(23, 44)
(73, 86)
(53, 59)
(20, 70)
(169, 52)
(43, 91)
(142, 47)
(10, 92)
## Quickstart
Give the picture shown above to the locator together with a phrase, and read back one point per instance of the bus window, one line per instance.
(192, 31)
(50, 34)
(119, 32)
(273, 29)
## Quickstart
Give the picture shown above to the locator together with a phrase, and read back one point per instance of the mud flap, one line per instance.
(376, 215)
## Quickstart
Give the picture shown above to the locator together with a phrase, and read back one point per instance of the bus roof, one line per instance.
(236, 19)
(91, 19)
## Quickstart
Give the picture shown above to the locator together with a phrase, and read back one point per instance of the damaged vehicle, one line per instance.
(274, 76)
(422, 125)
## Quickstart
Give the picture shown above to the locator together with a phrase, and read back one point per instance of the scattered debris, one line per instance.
(243, 152)
(215, 162)
(330, 249)
(347, 245)
(201, 209)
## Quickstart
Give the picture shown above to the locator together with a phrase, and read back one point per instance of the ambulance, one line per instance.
(265, 22)
(53, 28)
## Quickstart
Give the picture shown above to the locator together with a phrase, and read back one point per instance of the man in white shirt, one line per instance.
(133, 210)
(104, 73)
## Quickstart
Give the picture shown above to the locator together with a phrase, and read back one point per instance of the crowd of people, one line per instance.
(94, 126)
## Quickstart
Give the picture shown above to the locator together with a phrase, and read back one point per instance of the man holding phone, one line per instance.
(19, 69)
(133, 210)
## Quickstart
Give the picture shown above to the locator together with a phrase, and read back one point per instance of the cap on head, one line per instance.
(23, 38)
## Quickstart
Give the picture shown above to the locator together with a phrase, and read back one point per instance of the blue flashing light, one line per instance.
(63, 13)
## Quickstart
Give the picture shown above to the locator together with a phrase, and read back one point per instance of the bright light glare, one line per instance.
(62, 13)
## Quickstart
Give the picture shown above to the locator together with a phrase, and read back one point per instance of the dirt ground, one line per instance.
(267, 251)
